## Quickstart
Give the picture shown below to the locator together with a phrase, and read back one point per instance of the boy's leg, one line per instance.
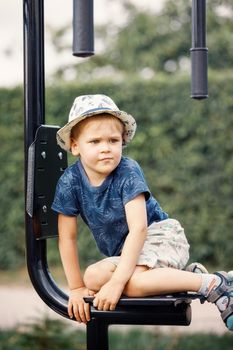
(96, 275)
(217, 288)
(145, 282)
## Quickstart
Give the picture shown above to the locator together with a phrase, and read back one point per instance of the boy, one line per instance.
(147, 251)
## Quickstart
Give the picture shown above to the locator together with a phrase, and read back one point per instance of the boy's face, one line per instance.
(99, 145)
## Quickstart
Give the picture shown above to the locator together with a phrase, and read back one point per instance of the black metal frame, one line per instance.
(34, 112)
(169, 310)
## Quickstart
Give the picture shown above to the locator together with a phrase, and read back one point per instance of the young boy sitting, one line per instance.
(146, 250)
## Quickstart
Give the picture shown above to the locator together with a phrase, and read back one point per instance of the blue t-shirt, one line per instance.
(103, 208)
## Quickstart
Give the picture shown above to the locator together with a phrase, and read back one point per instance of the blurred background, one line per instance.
(184, 146)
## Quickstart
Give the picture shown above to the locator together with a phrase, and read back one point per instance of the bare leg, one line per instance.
(145, 282)
(159, 281)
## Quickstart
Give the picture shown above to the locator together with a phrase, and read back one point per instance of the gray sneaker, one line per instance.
(196, 268)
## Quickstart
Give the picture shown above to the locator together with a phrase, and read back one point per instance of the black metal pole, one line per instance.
(97, 335)
(33, 69)
(199, 51)
(34, 116)
(83, 28)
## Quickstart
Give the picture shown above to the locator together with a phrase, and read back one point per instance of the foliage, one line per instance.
(41, 335)
(56, 335)
(185, 148)
(149, 43)
(11, 179)
(188, 161)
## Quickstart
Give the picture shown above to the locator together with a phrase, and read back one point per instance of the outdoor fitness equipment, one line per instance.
(45, 161)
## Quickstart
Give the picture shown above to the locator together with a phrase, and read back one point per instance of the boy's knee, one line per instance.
(96, 275)
(90, 277)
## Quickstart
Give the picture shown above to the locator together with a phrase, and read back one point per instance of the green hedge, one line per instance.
(184, 146)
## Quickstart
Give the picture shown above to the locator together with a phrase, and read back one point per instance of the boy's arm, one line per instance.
(137, 223)
(67, 228)
(136, 216)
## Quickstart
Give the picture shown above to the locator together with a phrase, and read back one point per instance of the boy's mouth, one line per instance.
(106, 159)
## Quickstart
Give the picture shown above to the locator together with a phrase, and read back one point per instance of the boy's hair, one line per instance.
(77, 129)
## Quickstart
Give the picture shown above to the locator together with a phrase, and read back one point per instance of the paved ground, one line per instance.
(21, 304)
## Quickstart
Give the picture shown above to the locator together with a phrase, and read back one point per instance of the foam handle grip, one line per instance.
(83, 28)
(199, 67)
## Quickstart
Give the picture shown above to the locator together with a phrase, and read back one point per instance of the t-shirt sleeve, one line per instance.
(65, 201)
(134, 185)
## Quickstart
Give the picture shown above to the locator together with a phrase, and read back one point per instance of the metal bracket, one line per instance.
(46, 163)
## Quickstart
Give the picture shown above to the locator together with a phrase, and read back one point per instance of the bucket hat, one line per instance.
(89, 105)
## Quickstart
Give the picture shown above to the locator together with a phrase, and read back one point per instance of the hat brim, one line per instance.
(63, 135)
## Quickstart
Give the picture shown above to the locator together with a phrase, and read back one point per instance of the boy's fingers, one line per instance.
(101, 305)
(106, 306)
(87, 311)
(82, 313)
(112, 307)
(70, 310)
(76, 313)
(95, 302)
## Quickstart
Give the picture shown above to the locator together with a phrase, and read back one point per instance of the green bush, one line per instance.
(184, 146)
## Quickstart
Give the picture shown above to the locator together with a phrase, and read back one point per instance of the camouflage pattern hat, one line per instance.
(89, 105)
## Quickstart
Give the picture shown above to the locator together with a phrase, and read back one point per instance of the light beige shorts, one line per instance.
(165, 246)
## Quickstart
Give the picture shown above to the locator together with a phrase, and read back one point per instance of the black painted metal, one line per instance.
(34, 115)
(199, 51)
(163, 310)
(97, 335)
(83, 28)
(158, 310)
(47, 161)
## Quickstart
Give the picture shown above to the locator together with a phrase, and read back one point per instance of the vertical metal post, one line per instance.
(97, 335)
(83, 28)
(34, 100)
(199, 51)
(34, 105)
(34, 116)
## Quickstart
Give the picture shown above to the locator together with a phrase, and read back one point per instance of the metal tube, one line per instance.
(34, 101)
(198, 23)
(83, 28)
(34, 116)
(199, 51)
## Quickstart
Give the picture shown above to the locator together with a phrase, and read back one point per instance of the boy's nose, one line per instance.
(105, 147)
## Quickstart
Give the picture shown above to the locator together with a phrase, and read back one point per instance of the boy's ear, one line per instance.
(74, 148)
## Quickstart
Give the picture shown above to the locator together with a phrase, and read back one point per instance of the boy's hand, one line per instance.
(77, 307)
(108, 296)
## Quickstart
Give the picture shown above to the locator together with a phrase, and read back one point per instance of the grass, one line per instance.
(56, 335)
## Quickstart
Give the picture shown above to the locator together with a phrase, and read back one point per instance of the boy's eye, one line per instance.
(112, 140)
(94, 141)
(115, 140)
